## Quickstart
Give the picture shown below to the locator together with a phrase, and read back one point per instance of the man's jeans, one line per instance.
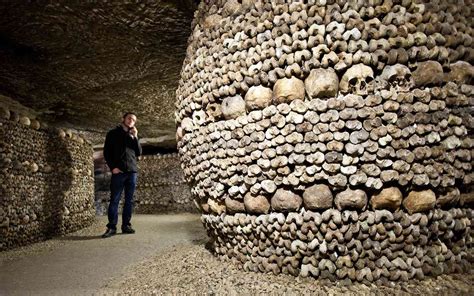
(118, 183)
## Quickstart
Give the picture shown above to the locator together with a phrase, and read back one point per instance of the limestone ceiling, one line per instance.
(82, 63)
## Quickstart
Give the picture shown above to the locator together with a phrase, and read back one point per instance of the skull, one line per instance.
(355, 80)
(62, 133)
(187, 124)
(231, 7)
(322, 83)
(25, 121)
(377, 84)
(234, 7)
(4, 113)
(214, 111)
(233, 107)
(211, 21)
(199, 117)
(286, 90)
(398, 76)
(69, 133)
(258, 97)
(428, 73)
(461, 72)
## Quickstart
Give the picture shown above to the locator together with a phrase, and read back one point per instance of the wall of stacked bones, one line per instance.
(47, 185)
(161, 187)
(332, 139)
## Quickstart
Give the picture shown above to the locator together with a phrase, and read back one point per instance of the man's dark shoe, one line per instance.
(128, 229)
(109, 233)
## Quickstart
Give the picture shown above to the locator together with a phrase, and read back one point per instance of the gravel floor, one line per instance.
(191, 269)
(81, 263)
(96, 228)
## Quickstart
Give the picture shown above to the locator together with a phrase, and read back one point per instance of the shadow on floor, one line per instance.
(79, 238)
(84, 237)
(200, 241)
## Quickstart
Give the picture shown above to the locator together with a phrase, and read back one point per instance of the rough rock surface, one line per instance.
(82, 64)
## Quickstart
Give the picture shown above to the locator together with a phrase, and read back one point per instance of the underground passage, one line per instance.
(264, 147)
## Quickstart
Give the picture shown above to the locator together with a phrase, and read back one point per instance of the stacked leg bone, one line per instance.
(47, 183)
(161, 187)
(299, 123)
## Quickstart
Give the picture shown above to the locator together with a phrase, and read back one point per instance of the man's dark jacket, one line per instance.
(121, 150)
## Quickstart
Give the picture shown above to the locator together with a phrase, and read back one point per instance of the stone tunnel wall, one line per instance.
(47, 185)
(161, 187)
(332, 138)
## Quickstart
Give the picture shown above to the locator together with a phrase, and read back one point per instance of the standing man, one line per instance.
(121, 150)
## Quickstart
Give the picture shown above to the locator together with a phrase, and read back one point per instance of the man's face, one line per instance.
(130, 120)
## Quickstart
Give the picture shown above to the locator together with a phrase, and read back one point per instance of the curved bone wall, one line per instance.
(332, 138)
(161, 187)
(47, 186)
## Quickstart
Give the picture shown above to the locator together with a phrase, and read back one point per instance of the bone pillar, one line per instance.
(367, 98)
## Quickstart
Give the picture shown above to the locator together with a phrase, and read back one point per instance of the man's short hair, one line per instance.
(128, 113)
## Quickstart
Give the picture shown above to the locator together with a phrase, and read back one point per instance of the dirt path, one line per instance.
(83, 262)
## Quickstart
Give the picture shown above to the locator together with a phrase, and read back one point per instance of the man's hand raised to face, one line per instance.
(134, 132)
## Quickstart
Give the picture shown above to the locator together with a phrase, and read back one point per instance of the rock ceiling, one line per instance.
(83, 64)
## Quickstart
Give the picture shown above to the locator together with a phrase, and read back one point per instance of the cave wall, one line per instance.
(47, 185)
(332, 139)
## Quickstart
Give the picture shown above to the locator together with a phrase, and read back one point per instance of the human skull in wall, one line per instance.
(33, 182)
(368, 100)
(233, 107)
(356, 80)
(214, 111)
(286, 90)
(322, 83)
(398, 76)
(258, 97)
